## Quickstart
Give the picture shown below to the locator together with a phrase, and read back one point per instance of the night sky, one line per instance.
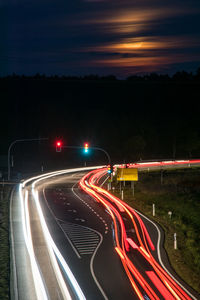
(119, 37)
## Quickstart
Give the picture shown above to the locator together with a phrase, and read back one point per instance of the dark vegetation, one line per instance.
(4, 243)
(180, 194)
(143, 117)
(148, 117)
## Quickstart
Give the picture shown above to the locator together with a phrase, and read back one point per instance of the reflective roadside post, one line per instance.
(154, 210)
(133, 188)
(175, 241)
(170, 214)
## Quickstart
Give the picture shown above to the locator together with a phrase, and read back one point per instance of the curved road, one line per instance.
(63, 243)
(81, 230)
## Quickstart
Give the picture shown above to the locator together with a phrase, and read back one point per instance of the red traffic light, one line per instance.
(58, 146)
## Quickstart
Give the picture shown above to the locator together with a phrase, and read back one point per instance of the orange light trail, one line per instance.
(159, 277)
(124, 242)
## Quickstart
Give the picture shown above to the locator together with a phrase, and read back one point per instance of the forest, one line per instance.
(140, 118)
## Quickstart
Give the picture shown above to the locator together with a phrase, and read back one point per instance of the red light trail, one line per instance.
(154, 281)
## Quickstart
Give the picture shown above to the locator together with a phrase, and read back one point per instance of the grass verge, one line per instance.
(177, 191)
(4, 243)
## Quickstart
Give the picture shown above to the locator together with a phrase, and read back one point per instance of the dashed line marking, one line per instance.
(84, 239)
(100, 217)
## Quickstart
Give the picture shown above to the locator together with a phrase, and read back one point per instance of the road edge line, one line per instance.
(93, 256)
(160, 258)
(13, 271)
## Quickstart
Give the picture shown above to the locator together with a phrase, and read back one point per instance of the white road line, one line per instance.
(86, 242)
(88, 246)
(99, 217)
(15, 287)
(82, 235)
(83, 245)
(60, 226)
(40, 288)
(84, 239)
(160, 259)
(50, 243)
(104, 181)
(85, 248)
(94, 254)
(56, 257)
(80, 238)
(92, 270)
(76, 232)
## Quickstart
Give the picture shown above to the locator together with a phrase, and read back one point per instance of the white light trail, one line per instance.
(53, 250)
(38, 281)
(54, 253)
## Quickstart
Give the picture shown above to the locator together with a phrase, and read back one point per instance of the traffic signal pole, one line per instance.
(101, 149)
(20, 141)
(94, 148)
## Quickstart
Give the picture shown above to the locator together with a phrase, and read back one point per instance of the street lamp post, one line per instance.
(19, 141)
(101, 149)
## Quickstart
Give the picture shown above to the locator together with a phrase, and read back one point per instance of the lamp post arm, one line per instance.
(18, 141)
(101, 149)
(95, 148)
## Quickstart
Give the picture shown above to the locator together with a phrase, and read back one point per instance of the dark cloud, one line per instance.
(79, 36)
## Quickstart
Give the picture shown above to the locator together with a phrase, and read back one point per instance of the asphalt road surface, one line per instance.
(82, 230)
(78, 245)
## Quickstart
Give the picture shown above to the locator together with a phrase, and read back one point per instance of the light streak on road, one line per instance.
(141, 284)
(55, 255)
(37, 277)
(161, 280)
(160, 286)
(163, 163)
(54, 250)
(119, 252)
(122, 244)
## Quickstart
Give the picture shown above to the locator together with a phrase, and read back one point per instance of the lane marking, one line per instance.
(92, 270)
(57, 260)
(104, 181)
(94, 254)
(99, 217)
(39, 285)
(50, 242)
(15, 282)
(82, 237)
(160, 259)
(56, 219)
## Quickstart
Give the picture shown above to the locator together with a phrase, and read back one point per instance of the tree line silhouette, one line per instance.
(178, 76)
(141, 117)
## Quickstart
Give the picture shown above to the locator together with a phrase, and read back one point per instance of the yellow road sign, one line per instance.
(124, 174)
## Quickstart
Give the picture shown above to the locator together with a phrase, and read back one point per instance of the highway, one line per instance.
(73, 240)
(142, 261)
(81, 242)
